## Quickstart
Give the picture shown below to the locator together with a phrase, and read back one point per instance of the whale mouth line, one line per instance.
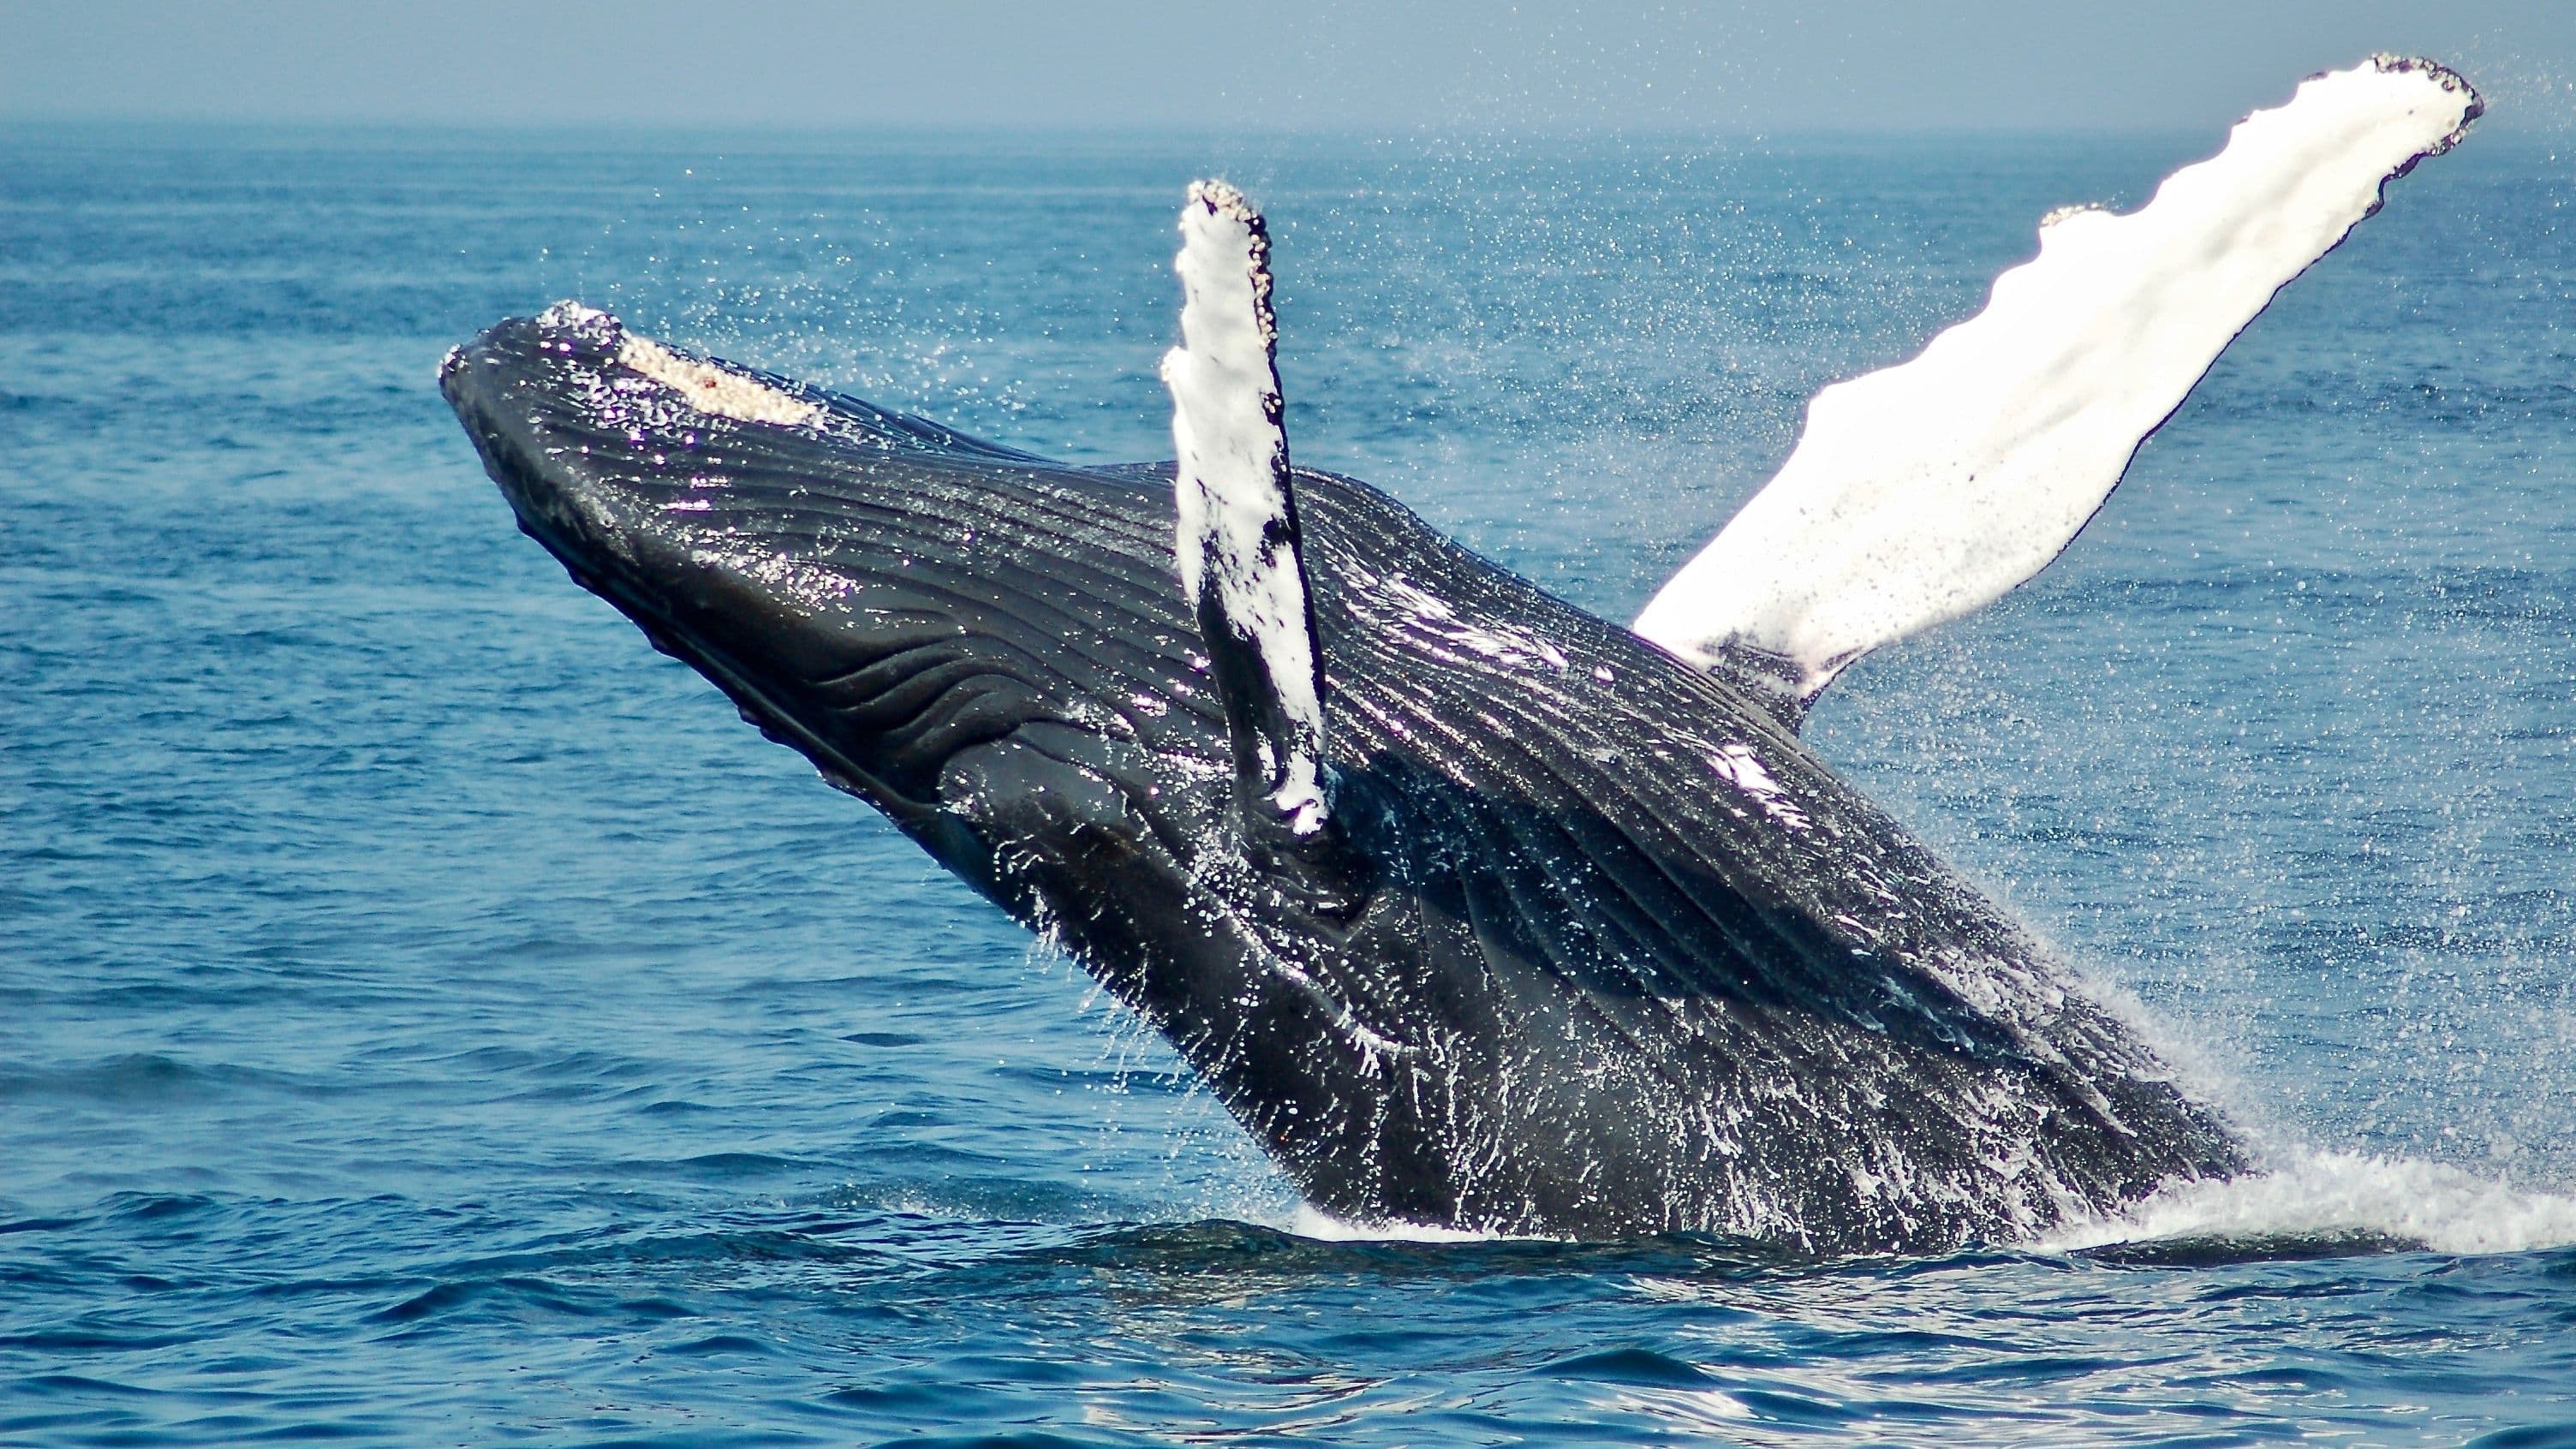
(665, 635)
(754, 703)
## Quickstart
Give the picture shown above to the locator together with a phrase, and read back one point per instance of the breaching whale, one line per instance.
(1475, 909)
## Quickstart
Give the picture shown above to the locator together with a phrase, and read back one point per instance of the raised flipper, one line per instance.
(1237, 535)
(1928, 490)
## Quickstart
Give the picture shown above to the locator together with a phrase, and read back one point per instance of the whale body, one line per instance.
(1612, 952)
(1475, 909)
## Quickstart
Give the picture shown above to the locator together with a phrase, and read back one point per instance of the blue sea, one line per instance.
(429, 1016)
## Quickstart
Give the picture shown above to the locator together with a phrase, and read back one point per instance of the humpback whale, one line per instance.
(1475, 909)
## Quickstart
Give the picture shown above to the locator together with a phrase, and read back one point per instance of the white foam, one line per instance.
(571, 316)
(2447, 1209)
(1927, 490)
(1313, 1222)
(1231, 479)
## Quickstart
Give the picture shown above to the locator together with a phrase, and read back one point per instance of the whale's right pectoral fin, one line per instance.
(1237, 536)
(1930, 489)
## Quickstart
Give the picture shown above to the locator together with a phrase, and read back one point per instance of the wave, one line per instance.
(1313, 1222)
(2314, 1203)
(2357, 1199)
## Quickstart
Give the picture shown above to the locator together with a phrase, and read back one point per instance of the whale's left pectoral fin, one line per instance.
(1237, 539)
(1928, 490)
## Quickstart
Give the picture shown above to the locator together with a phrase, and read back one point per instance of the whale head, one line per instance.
(908, 607)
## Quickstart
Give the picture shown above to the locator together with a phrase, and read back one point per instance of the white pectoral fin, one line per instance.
(1930, 489)
(1237, 536)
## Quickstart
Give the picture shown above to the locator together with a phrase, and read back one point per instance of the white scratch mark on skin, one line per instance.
(1516, 648)
(1736, 765)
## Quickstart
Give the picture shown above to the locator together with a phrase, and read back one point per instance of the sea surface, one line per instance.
(429, 1016)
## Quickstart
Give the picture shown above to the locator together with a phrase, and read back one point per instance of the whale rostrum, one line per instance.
(1477, 910)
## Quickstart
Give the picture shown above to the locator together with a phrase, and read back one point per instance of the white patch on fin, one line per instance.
(1928, 490)
(1237, 529)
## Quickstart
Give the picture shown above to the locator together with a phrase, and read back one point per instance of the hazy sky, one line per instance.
(1378, 65)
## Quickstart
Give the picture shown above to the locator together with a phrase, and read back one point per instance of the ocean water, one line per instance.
(429, 1016)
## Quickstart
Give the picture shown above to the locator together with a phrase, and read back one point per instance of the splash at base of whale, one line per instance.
(1478, 911)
